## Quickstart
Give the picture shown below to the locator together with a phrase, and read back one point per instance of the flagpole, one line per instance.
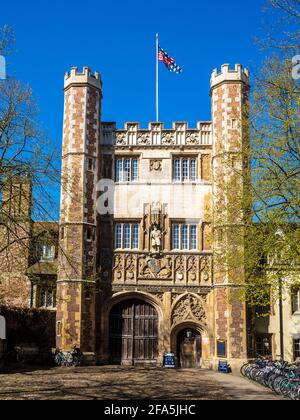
(157, 80)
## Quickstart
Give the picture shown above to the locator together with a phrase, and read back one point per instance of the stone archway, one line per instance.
(199, 345)
(189, 312)
(104, 356)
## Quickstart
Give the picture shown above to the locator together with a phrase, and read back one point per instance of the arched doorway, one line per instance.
(133, 333)
(189, 348)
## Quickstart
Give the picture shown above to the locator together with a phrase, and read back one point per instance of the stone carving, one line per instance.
(118, 267)
(159, 296)
(179, 290)
(121, 139)
(192, 139)
(168, 139)
(157, 269)
(192, 268)
(189, 307)
(130, 267)
(179, 268)
(156, 165)
(205, 268)
(144, 139)
(156, 239)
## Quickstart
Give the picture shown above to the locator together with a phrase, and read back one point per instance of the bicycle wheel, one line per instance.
(285, 388)
(244, 369)
(69, 360)
(277, 384)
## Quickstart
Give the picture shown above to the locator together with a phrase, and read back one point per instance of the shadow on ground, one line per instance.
(119, 383)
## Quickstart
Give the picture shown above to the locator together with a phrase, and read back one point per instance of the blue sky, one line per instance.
(117, 38)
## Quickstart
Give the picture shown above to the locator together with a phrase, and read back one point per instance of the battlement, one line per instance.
(239, 74)
(156, 135)
(74, 77)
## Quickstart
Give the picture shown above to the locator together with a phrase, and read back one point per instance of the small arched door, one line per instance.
(189, 349)
(133, 333)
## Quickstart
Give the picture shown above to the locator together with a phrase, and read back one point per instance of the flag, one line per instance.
(169, 62)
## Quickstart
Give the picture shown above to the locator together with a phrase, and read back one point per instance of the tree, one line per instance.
(29, 168)
(273, 240)
(270, 232)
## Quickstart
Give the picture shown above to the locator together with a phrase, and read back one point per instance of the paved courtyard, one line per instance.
(117, 383)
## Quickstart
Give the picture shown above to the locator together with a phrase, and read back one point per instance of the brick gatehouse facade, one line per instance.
(146, 221)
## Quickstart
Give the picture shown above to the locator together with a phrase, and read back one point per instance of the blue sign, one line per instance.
(169, 360)
(224, 367)
(222, 348)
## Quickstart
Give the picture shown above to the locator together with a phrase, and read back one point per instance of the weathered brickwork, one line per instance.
(78, 236)
(229, 107)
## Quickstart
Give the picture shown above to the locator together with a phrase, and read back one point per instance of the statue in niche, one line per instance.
(156, 239)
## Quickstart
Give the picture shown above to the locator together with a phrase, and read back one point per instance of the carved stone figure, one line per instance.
(192, 139)
(168, 139)
(121, 139)
(156, 239)
(144, 139)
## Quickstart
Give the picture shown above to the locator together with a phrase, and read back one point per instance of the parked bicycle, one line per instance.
(281, 377)
(68, 359)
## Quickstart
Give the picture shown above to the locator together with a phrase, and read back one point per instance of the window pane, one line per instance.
(127, 165)
(296, 349)
(50, 298)
(193, 237)
(175, 237)
(185, 170)
(193, 170)
(47, 252)
(135, 236)
(43, 298)
(185, 237)
(177, 171)
(135, 171)
(119, 177)
(264, 346)
(127, 236)
(295, 300)
(118, 236)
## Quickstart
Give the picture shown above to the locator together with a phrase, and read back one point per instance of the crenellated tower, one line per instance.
(229, 92)
(77, 271)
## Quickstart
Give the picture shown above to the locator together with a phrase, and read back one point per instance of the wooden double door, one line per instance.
(133, 333)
